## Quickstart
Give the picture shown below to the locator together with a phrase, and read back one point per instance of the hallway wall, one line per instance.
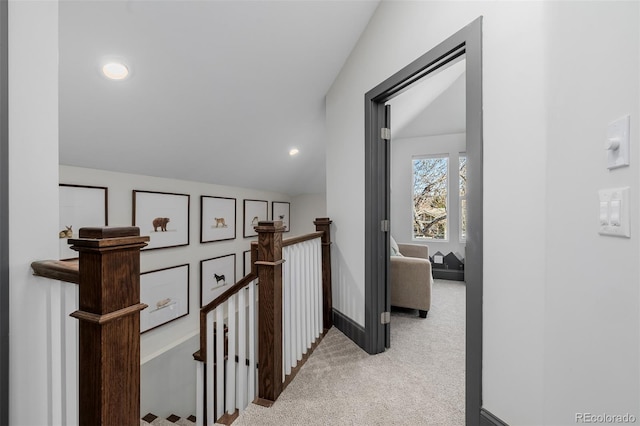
(560, 330)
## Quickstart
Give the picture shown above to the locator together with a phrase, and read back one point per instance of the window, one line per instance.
(462, 172)
(430, 197)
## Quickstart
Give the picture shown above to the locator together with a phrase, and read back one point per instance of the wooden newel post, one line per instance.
(270, 310)
(109, 314)
(324, 224)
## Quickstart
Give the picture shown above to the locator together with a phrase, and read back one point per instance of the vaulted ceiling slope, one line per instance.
(218, 91)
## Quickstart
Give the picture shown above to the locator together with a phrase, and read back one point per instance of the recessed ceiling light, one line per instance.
(293, 152)
(115, 71)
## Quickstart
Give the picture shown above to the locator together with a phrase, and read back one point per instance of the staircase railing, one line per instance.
(278, 325)
(108, 310)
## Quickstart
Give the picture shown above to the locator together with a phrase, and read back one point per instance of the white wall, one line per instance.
(514, 128)
(304, 210)
(120, 185)
(591, 317)
(402, 152)
(33, 178)
(561, 304)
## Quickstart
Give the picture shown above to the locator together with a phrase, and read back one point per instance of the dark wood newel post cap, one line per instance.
(101, 233)
(269, 226)
(108, 237)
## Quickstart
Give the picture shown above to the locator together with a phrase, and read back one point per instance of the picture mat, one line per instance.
(254, 212)
(210, 288)
(80, 207)
(151, 205)
(217, 207)
(280, 208)
(166, 292)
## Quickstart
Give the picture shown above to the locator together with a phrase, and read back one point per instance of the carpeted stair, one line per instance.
(172, 420)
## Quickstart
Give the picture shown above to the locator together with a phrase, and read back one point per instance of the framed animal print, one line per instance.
(280, 210)
(254, 212)
(216, 275)
(217, 219)
(246, 262)
(80, 206)
(163, 216)
(166, 292)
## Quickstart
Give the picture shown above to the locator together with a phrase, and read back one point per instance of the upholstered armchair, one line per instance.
(411, 278)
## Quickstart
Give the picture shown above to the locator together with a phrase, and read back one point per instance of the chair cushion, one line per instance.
(395, 250)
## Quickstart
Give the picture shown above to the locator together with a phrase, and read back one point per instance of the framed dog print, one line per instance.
(166, 292)
(80, 206)
(163, 216)
(254, 212)
(216, 275)
(280, 210)
(217, 219)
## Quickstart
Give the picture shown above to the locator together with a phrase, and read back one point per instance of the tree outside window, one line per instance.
(462, 172)
(430, 197)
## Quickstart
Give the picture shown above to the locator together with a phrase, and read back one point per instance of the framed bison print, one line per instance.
(217, 219)
(80, 206)
(216, 275)
(163, 216)
(166, 293)
(254, 212)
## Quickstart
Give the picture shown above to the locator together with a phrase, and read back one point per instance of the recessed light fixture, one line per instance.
(293, 152)
(115, 71)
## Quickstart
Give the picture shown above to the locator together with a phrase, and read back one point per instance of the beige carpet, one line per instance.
(418, 381)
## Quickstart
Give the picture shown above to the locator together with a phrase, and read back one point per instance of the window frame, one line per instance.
(447, 231)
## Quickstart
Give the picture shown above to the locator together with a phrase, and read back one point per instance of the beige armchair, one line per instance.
(411, 278)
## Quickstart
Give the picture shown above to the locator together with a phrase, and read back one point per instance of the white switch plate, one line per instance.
(614, 212)
(618, 135)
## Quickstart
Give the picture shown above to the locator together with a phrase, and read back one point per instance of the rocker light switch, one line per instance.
(617, 143)
(614, 212)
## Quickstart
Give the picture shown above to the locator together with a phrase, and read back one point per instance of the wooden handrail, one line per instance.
(302, 238)
(59, 270)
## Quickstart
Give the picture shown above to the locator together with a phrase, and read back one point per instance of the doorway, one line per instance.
(465, 43)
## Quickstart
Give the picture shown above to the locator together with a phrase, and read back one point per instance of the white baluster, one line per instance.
(299, 298)
(199, 393)
(219, 366)
(231, 357)
(319, 304)
(242, 351)
(312, 272)
(252, 341)
(309, 298)
(212, 357)
(55, 346)
(70, 356)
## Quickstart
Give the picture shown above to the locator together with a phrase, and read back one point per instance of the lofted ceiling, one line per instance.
(218, 91)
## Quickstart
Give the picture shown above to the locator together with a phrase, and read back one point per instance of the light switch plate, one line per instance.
(618, 136)
(614, 212)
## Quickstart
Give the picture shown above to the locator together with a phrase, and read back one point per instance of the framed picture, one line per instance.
(246, 263)
(80, 206)
(217, 219)
(254, 212)
(280, 210)
(166, 291)
(163, 216)
(216, 275)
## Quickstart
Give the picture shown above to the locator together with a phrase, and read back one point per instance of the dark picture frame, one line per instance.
(217, 219)
(163, 216)
(80, 206)
(216, 275)
(253, 211)
(166, 292)
(281, 210)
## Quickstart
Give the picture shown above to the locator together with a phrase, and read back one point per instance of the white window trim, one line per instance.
(447, 230)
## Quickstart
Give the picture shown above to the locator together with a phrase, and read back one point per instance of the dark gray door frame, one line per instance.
(467, 42)
(4, 213)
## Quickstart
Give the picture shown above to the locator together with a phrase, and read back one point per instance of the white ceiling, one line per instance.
(218, 91)
(436, 105)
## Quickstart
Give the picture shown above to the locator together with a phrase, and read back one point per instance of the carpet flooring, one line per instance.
(418, 381)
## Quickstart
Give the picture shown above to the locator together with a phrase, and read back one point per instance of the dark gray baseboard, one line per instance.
(489, 419)
(350, 328)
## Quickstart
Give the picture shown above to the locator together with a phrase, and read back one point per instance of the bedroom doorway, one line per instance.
(466, 44)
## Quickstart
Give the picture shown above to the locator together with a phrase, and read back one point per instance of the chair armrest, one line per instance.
(414, 250)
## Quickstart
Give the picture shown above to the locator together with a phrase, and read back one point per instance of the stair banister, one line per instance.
(109, 315)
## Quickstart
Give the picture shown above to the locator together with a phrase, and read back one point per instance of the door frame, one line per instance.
(4, 213)
(467, 42)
